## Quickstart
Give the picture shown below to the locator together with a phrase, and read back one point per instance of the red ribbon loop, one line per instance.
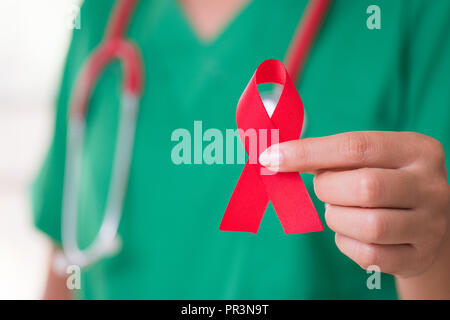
(254, 190)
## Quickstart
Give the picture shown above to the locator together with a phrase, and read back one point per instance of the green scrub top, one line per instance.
(395, 78)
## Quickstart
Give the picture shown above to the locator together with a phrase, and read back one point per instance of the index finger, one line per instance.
(377, 149)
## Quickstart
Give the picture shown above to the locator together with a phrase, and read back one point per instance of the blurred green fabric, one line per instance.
(396, 78)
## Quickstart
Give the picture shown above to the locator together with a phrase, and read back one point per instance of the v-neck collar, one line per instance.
(229, 26)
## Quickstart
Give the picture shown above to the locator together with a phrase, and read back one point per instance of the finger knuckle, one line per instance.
(376, 228)
(369, 256)
(434, 150)
(439, 153)
(301, 152)
(369, 187)
(355, 147)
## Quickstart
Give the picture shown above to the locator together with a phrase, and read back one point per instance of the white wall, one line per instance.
(34, 35)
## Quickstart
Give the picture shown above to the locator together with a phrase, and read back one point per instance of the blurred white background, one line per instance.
(34, 36)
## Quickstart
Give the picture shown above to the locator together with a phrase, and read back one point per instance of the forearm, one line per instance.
(56, 288)
(434, 283)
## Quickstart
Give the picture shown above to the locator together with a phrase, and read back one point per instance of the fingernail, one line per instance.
(271, 158)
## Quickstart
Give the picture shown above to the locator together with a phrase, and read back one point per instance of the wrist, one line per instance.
(434, 282)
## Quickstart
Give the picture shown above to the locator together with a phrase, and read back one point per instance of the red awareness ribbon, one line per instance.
(285, 190)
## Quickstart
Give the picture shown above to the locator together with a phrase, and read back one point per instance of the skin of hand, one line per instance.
(56, 286)
(387, 193)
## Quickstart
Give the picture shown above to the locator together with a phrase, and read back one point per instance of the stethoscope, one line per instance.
(115, 46)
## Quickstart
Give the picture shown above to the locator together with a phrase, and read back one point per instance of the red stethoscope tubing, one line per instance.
(304, 37)
(120, 19)
(116, 46)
